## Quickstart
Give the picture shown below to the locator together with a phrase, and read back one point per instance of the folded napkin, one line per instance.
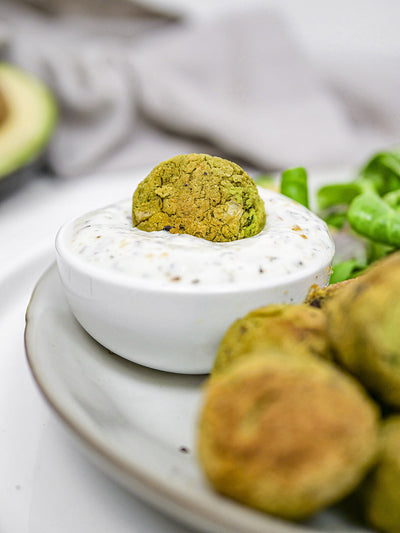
(136, 89)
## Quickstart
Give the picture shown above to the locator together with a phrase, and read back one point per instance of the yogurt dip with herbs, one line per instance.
(293, 241)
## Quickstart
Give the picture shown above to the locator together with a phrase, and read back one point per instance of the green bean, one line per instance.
(370, 216)
(294, 185)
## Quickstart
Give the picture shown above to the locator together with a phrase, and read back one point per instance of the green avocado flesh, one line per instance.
(28, 114)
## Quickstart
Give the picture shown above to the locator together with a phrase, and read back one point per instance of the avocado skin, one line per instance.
(25, 150)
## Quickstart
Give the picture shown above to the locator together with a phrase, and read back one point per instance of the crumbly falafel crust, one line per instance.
(201, 195)
(363, 327)
(287, 435)
(300, 328)
(380, 494)
(317, 296)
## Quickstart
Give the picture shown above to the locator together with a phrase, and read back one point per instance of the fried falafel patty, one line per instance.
(296, 327)
(363, 327)
(381, 492)
(286, 435)
(201, 195)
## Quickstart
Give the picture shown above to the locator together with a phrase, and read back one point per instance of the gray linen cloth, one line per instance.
(135, 89)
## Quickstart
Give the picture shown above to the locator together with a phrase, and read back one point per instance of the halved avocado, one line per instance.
(28, 114)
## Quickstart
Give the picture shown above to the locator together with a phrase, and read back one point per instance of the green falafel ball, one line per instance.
(363, 327)
(381, 492)
(201, 195)
(297, 328)
(284, 434)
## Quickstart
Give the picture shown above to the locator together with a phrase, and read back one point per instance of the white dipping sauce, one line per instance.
(293, 241)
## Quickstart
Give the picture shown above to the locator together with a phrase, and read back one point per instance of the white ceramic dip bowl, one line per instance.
(165, 301)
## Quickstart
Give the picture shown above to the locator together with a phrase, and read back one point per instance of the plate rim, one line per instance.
(177, 504)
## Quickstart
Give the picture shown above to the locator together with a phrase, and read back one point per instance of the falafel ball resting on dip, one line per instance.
(201, 195)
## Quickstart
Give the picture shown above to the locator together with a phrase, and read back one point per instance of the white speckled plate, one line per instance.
(138, 424)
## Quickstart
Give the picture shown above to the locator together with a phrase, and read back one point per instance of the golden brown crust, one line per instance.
(363, 327)
(380, 494)
(286, 435)
(297, 328)
(317, 295)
